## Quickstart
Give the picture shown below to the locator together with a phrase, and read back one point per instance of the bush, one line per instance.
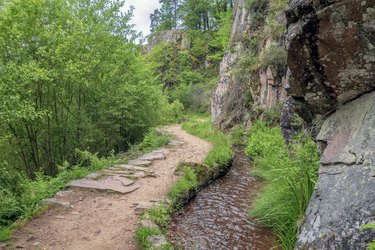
(153, 140)
(23, 200)
(289, 174)
(273, 55)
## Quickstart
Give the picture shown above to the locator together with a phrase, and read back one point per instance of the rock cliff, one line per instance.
(331, 53)
(331, 85)
(331, 56)
(235, 93)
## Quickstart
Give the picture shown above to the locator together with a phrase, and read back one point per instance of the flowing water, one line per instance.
(217, 217)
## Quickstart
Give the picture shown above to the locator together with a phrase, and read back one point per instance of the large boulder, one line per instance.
(331, 53)
(344, 198)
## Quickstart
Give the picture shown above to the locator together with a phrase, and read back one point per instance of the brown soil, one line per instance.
(102, 220)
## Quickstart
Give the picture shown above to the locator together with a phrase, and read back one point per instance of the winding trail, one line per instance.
(102, 220)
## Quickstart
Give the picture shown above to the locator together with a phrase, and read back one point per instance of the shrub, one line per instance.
(153, 140)
(273, 55)
(183, 186)
(289, 174)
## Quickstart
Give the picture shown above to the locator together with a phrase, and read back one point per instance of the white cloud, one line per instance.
(142, 11)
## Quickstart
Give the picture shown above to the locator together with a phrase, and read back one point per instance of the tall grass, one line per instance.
(289, 173)
(221, 152)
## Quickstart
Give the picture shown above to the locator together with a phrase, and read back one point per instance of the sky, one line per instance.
(143, 9)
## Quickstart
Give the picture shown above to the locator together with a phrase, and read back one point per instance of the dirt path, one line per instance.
(101, 220)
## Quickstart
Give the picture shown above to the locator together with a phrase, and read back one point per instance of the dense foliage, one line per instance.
(189, 14)
(188, 66)
(70, 77)
(289, 173)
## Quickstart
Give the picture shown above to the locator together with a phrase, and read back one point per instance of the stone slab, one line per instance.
(153, 156)
(56, 202)
(141, 163)
(108, 183)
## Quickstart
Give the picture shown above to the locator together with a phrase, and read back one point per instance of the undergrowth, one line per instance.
(289, 173)
(153, 140)
(20, 197)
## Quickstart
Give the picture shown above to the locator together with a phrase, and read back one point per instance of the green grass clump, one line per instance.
(371, 245)
(143, 233)
(153, 140)
(183, 186)
(221, 152)
(289, 173)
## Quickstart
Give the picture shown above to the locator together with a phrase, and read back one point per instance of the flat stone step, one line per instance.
(141, 163)
(135, 168)
(152, 156)
(175, 143)
(108, 183)
(53, 201)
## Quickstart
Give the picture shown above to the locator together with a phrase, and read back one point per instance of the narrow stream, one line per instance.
(217, 217)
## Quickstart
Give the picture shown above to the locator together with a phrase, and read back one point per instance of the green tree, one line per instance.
(70, 77)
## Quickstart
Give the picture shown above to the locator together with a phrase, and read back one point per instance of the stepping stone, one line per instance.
(54, 201)
(142, 163)
(140, 207)
(175, 143)
(135, 168)
(161, 150)
(94, 176)
(64, 193)
(116, 172)
(108, 183)
(152, 156)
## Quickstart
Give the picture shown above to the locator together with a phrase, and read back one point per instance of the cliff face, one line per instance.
(331, 81)
(235, 94)
(331, 56)
(331, 53)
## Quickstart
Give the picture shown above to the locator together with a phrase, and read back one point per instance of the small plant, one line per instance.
(153, 140)
(273, 55)
(371, 245)
(183, 186)
(143, 233)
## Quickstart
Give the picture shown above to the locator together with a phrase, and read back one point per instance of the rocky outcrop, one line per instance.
(234, 92)
(174, 36)
(344, 197)
(331, 56)
(331, 53)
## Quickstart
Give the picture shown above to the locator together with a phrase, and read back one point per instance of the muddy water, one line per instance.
(217, 217)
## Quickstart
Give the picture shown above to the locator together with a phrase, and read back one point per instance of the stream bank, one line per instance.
(217, 217)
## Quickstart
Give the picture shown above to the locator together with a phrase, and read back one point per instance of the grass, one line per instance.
(289, 173)
(221, 153)
(20, 197)
(143, 233)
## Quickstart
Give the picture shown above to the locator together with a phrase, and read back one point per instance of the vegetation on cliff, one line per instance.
(188, 67)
